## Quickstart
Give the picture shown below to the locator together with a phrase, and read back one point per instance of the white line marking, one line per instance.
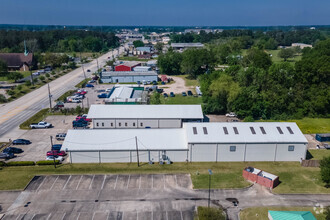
(105, 176)
(18, 217)
(93, 215)
(90, 185)
(33, 216)
(41, 183)
(152, 181)
(129, 177)
(78, 215)
(67, 182)
(181, 215)
(63, 215)
(49, 216)
(115, 183)
(166, 215)
(140, 182)
(108, 215)
(54, 183)
(79, 182)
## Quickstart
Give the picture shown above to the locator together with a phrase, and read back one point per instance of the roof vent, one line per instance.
(235, 130)
(205, 130)
(279, 130)
(225, 130)
(290, 130)
(194, 130)
(252, 130)
(262, 130)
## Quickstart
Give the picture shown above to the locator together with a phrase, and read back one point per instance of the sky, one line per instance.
(166, 12)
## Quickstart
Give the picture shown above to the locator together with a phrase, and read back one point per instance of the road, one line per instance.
(14, 113)
(145, 196)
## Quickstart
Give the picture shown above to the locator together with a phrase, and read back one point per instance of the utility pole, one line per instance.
(137, 151)
(97, 61)
(50, 98)
(51, 148)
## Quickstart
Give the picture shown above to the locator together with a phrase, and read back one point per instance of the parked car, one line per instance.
(21, 142)
(91, 81)
(172, 94)
(231, 114)
(61, 153)
(60, 136)
(82, 91)
(6, 155)
(165, 95)
(80, 123)
(89, 85)
(154, 82)
(41, 124)
(59, 105)
(36, 74)
(88, 70)
(57, 147)
(108, 90)
(184, 94)
(56, 158)
(190, 93)
(102, 95)
(13, 150)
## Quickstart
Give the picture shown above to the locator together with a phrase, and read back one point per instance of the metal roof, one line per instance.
(146, 111)
(291, 215)
(129, 63)
(244, 132)
(124, 139)
(129, 73)
(187, 45)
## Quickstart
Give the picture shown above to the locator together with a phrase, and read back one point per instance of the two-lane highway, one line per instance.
(14, 113)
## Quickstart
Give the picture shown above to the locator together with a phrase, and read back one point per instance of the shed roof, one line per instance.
(130, 73)
(146, 111)
(16, 59)
(124, 139)
(130, 63)
(291, 215)
(244, 132)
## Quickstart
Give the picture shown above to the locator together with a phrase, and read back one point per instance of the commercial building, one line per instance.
(127, 66)
(128, 76)
(18, 61)
(127, 94)
(301, 45)
(144, 116)
(183, 46)
(142, 69)
(194, 142)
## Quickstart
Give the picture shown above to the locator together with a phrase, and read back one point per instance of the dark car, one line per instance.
(103, 95)
(172, 94)
(88, 70)
(57, 147)
(92, 81)
(89, 85)
(21, 142)
(165, 95)
(190, 93)
(160, 90)
(154, 82)
(184, 94)
(13, 150)
(6, 155)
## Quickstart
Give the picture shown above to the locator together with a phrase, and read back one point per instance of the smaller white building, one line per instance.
(128, 76)
(142, 69)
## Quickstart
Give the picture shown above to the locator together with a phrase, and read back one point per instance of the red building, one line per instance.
(261, 177)
(127, 66)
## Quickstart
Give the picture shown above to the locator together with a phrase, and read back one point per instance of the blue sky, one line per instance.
(166, 12)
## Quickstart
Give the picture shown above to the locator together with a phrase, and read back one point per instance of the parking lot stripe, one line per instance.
(105, 176)
(152, 181)
(41, 183)
(78, 215)
(54, 183)
(79, 182)
(49, 216)
(166, 215)
(67, 182)
(63, 215)
(33, 216)
(181, 215)
(18, 217)
(137, 216)
(129, 177)
(140, 182)
(116, 182)
(108, 215)
(93, 215)
(90, 185)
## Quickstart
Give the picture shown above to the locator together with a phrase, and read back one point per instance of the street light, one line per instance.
(210, 173)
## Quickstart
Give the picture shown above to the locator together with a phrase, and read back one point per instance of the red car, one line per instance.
(56, 153)
(84, 117)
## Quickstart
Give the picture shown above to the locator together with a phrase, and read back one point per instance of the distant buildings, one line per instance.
(183, 46)
(127, 94)
(128, 76)
(301, 45)
(17, 61)
(127, 66)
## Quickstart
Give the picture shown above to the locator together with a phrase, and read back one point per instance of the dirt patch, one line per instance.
(178, 86)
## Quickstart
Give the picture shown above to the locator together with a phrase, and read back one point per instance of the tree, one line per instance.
(138, 43)
(15, 76)
(271, 44)
(257, 58)
(286, 53)
(2, 99)
(3, 68)
(325, 170)
(159, 47)
(155, 99)
(170, 63)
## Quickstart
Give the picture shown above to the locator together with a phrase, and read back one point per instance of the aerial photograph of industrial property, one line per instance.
(164, 110)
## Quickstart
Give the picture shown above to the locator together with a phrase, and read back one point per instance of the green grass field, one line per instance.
(311, 125)
(25, 74)
(297, 179)
(133, 59)
(277, 59)
(179, 99)
(188, 81)
(318, 154)
(261, 213)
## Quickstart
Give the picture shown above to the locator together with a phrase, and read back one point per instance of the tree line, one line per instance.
(12, 41)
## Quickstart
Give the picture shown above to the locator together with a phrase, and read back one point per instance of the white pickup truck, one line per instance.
(41, 124)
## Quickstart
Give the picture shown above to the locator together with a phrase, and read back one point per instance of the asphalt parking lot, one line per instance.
(104, 197)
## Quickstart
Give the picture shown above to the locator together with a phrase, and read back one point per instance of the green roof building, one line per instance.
(290, 215)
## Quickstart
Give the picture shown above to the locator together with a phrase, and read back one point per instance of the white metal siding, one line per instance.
(152, 123)
(128, 79)
(126, 123)
(203, 152)
(170, 123)
(260, 152)
(115, 157)
(283, 154)
(177, 156)
(84, 157)
(224, 153)
(143, 156)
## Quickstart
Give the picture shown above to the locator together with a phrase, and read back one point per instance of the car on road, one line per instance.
(6, 155)
(172, 94)
(190, 93)
(60, 136)
(165, 95)
(102, 95)
(61, 153)
(89, 85)
(184, 94)
(21, 142)
(13, 150)
(41, 124)
(56, 158)
(231, 114)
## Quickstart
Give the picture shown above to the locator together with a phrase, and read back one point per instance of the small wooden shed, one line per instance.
(261, 177)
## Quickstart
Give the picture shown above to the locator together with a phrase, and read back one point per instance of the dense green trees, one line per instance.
(3, 68)
(286, 53)
(325, 170)
(170, 63)
(138, 43)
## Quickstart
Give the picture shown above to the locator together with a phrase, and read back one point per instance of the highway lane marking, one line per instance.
(13, 113)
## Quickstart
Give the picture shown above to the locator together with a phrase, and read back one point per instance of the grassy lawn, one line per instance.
(318, 154)
(276, 59)
(312, 125)
(24, 73)
(297, 179)
(133, 59)
(179, 99)
(262, 212)
(189, 82)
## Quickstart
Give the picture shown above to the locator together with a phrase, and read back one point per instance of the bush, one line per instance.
(28, 83)
(19, 87)
(2, 164)
(47, 162)
(325, 170)
(205, 213)
(10, 92)
(39, 116)
(20, 163)
(2, 99)
(47, 75)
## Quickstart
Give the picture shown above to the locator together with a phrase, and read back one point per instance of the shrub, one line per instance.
(2, 164)
(47, 75)
(28, 83)
(19, 87)
(46, 162)
(325, 170)
(20, 163)
(205, 213)
(2, 99)
(10, 92)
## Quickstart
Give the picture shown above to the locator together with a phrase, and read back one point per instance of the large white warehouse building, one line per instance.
(144, 116)
(256, 141)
